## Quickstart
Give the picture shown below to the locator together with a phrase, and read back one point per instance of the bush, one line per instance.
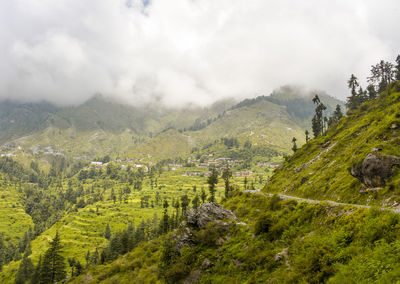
(264, 224)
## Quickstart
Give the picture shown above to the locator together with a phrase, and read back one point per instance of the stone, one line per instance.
(375, 170)
(208, 212)
(206, 264)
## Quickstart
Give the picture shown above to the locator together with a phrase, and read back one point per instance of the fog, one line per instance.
(177, 52)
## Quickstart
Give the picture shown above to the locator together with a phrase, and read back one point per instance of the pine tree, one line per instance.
(184, 203)
(36, 273)
(203, 196)
(195, 201)
(307, 135)
(318, 120)
(212, 181)
(372, 94)
(165, 220)
(25, 270)
(294, 148)
(107, 232)
(53, 265)
(336, 116)
(226, 175)
(398, 68)
(354, 100)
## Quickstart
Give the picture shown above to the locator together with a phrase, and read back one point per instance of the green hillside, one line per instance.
(104, 127)
(322, 168)
(278, 239)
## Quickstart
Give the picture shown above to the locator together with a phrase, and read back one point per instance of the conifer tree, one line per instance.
(212, 181)
(35, 279)
(53, 265)
(307, 135)
(203, 196)
(184, 204)
(398, 67)
(336, 116)
(107, 232)
(354, 100)
(165, 221)
(25, 270)
(226, 175)
(372, 94)
(318, 119)
(195, 201)
(294, 148)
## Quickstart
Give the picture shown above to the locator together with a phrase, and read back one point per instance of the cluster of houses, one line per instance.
(101, 165)
(265, 164)
(46, 150)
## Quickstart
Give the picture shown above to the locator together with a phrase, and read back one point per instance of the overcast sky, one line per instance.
(181, 51)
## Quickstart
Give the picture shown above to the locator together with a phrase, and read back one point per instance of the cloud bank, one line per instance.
(185, 51)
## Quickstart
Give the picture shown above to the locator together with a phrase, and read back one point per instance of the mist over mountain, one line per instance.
(179, 52)
(105, 125)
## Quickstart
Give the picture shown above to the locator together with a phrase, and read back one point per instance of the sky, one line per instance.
(177, 52)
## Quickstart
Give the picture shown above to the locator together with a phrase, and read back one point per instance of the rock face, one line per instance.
(206, 213)
(375, 170)
(198, 219)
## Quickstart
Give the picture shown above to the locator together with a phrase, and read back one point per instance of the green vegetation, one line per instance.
(321, 169)
(282, 241)
(116, 213)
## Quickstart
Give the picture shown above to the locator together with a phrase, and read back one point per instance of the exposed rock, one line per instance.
(198, 219)
(375, 170)
(283, 255)
(206, 213)
(220, 242)
(184, 239)
(394, 126)
(206, 264)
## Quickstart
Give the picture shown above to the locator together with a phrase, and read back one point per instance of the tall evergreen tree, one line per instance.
(184, 204)
(25, 270)
(294, 148)
(354, 100)
(372, 94)
(53, 265)
(107, 232)
(336, 116)
(398, 67)
(195, 201)
(307, 135)
(212, 181)
(203, 196)
(226, 175)
(35, 279)
(318, 119)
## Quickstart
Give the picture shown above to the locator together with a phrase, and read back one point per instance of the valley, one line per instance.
(121, 215)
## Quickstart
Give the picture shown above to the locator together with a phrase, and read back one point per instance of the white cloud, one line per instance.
(184, 51)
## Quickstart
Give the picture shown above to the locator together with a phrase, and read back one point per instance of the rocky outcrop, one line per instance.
(198, 219)
(375, 170)
(206, 213)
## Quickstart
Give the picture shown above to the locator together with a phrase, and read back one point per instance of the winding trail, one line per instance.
(314, 201)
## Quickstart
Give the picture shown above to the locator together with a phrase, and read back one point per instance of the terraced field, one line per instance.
(14, 222)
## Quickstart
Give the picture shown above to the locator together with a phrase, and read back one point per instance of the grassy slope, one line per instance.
(84, 230)
(323, 244)
(321, 169)
(14, 221)
(262, 123)
(169, 144)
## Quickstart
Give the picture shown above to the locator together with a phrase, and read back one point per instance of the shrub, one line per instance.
(264, 224)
